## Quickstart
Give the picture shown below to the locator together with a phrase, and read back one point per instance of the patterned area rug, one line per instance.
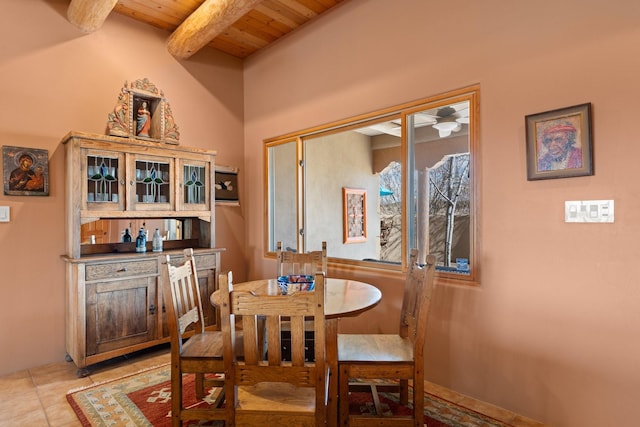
(144, 399)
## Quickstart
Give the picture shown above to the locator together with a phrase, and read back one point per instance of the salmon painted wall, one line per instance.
(552, 330)
(55, 79)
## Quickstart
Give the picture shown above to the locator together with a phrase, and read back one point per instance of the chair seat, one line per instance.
(207, 344)
(281, 397)
(374, 348)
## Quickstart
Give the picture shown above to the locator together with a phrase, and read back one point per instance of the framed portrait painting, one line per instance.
(354, 205)
(26, 171)
(559, 143)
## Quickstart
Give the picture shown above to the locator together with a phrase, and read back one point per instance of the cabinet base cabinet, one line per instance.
(115, 304)
(120, 313)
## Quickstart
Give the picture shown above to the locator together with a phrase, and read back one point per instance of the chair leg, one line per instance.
(418, 402)
(230, 391)
(176, 396)
(343, 393)
(404, 392)
(199, 386)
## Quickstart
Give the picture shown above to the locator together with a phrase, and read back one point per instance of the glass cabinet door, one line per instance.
(103, 187)
(153, 184)
(195, 185)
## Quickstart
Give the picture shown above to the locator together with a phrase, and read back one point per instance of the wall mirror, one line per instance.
(414, 163)
(106, 231)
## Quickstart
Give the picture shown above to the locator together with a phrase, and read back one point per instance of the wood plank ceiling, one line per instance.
(236, 27)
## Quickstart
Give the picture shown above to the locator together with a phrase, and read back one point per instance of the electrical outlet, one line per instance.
(588, 211)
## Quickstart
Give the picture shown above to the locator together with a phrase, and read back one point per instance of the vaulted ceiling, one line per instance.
(237, 27)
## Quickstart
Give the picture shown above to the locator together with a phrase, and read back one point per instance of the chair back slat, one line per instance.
(274, 340)
(295, 375)
(190, 317)
(248, 303)
(250, 340)
(297, 330)
(416, 302)
(424, 306)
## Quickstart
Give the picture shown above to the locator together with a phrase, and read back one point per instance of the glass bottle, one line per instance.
(141, 241)
(127, 236)
(157, 241)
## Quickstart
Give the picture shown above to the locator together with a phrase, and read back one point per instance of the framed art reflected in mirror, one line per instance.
(354, 215)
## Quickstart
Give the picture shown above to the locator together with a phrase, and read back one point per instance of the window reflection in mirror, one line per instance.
(424, 149)
(332, 161)
(282, 191)
(440, 209)
(112, 230)
(347, 159)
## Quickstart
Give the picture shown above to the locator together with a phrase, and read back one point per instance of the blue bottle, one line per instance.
(141, 241)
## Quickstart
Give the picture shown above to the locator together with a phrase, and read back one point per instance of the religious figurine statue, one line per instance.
(143, 120)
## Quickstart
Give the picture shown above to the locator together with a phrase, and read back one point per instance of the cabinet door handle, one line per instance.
(152, 309)
(122, 269)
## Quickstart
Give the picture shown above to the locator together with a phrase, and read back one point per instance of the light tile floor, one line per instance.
(36, 397)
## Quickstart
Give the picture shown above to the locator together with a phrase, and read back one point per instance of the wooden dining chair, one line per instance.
(291, 262)
(373, 358)
(200, 353)
(262, 389)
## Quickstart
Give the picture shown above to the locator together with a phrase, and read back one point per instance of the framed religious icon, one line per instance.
(354, 205)
(559, 143)
(26, 171)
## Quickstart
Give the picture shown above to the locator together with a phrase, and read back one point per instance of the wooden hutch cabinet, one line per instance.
(136, 177)
(114, 294)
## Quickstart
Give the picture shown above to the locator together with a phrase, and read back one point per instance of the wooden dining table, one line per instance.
(344, 298)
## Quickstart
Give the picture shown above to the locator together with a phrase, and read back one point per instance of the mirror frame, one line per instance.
(470, 94)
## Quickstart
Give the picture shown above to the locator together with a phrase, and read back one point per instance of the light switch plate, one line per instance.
(588, 211)
(4, 214)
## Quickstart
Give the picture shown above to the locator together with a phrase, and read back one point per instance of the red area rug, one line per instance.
(144, 399)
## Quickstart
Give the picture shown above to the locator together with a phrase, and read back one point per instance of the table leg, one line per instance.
(331, 335)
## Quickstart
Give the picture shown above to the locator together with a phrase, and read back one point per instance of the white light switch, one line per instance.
(588, 211)
(4, 214)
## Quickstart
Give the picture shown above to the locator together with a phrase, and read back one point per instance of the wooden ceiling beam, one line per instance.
(89, 15)
(205, 23)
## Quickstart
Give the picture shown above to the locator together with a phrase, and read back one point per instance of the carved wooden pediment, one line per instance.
(143, 112)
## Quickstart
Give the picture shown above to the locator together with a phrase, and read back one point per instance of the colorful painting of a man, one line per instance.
(559, 143)
(558, 146)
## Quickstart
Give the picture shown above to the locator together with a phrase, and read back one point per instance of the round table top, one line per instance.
(343, 297)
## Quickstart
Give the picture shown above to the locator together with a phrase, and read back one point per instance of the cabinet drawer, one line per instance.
(121, 269)
(203, 261)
